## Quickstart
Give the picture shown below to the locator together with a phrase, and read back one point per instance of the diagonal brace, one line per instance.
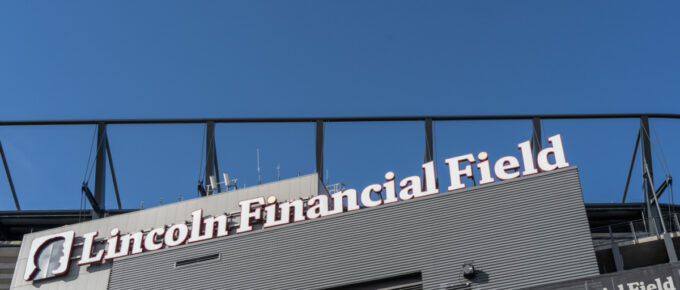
(90, 198)
(659, 191)
(9, 178)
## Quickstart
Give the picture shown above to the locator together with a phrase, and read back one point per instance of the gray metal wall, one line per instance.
(519, 233)
(9, 251)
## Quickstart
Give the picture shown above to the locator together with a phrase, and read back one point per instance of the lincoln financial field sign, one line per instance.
(49, 255)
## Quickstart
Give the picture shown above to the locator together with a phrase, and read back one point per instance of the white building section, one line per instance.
(302, 187)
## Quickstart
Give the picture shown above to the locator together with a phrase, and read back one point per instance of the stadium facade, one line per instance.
(524, 225)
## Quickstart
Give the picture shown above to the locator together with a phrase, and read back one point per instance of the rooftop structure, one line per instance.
(541, 215)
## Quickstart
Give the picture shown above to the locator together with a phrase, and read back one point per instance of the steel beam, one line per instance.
(210, 157)
(217, 170)
(429, 147)
(319, 148)
(660, 190)
(97, 210)
(670, 248)
(339, 119)
(100, 170)
(616, 253)
(647, 171)
(667, 239)
(630, 169)
(201, 189)
(9, 178)
(536, 140)
(113, 173)
(429, 141)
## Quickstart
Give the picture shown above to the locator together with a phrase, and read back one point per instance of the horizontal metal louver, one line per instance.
(197, 260)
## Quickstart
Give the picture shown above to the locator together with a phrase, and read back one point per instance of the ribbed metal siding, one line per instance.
(519, 233)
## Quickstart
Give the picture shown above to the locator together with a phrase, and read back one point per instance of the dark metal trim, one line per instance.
(336, 119)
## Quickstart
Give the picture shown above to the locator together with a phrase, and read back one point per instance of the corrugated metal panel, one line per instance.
(9, 252)
(519, 233)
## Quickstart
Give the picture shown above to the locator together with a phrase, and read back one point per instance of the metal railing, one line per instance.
(318, 121)
(633, 231)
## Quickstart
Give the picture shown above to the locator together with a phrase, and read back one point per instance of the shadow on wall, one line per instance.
(480, 277)
(73, 274)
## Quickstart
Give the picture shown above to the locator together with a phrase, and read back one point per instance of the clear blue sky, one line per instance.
(151, 59)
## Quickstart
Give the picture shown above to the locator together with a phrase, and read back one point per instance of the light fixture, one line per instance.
(468, 270)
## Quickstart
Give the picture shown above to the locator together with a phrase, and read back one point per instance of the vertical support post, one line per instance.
(319, 148)
(656, 230)
(429, 155)
(9, 177)
(217, 168)
(618, 258)
(210, 156)
(648, 173)
(536, 140)
(616, 253)
(630, 169)
(670, 247)
(429, 147)
(113, 173)
(100, 171)
(632, 231)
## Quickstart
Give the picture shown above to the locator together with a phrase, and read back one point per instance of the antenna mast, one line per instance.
(259, 172)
